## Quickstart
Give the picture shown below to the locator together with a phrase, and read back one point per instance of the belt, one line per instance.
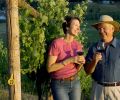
(109, 84)
(71, 78)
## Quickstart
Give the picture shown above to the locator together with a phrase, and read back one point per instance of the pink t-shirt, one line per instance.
(64, 50)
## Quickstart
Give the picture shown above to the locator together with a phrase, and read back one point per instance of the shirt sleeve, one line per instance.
(54, 49)
(90, 54)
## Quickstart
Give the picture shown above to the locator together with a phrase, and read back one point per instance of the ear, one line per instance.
(113, 28)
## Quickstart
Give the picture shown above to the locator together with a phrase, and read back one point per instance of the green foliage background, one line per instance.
(3, 65)
(37, 33)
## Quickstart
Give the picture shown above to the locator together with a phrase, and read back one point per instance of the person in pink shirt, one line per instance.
(64, 62)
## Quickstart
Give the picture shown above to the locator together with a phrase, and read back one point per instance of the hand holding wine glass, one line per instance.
(80, 59)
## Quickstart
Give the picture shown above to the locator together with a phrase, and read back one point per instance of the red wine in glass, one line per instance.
(100, 47)
(80, 53)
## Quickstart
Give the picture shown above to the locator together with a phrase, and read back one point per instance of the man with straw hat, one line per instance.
(103, 61)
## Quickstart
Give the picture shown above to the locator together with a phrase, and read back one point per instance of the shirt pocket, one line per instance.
(115, 59)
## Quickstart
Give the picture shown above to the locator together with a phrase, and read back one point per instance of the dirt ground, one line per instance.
(4, 96)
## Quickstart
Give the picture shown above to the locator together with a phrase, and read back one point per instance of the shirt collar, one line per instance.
(114, 42)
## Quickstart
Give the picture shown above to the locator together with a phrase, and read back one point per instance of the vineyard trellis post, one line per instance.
(13, 50)
(14, 45)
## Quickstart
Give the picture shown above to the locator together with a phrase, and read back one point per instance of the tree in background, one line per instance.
(101, 1)
(2, 4)
(37, 33)
(3, 64)
(76, 0)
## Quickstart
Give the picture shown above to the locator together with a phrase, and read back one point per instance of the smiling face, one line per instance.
(74, 27)
(106, 32)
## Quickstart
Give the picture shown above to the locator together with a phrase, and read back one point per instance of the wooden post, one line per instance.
(13, 50)
(25, 5)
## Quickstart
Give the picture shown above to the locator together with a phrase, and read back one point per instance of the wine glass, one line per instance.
(100, 47)
(80, 53)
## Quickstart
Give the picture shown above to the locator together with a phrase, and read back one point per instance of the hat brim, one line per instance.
(114, 23)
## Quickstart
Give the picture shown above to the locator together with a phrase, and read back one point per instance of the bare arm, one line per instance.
(90, 67)
(53, 66)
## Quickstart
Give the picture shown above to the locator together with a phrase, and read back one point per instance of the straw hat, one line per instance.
(109, 20)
